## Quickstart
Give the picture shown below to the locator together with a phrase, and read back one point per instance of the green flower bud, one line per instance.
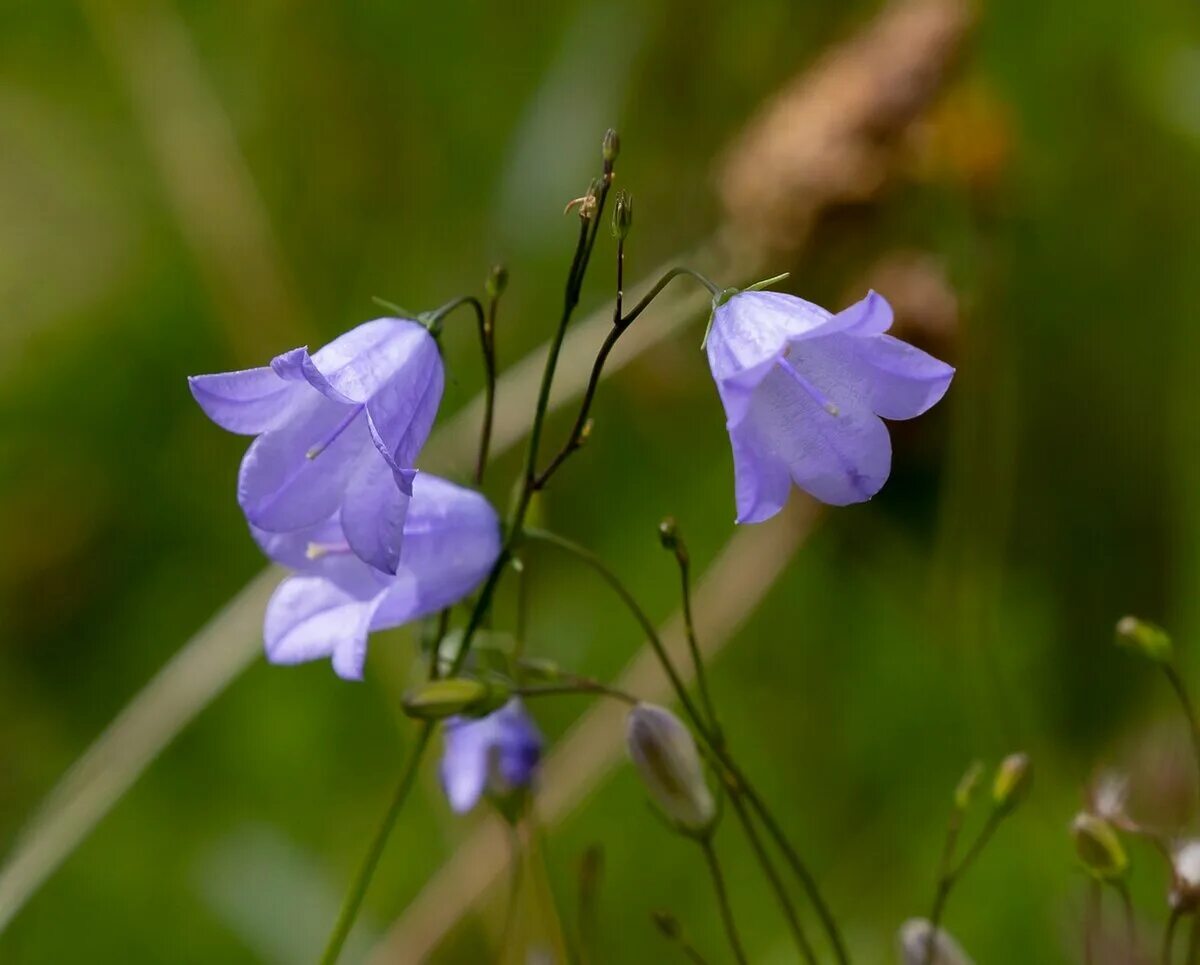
(967, 785)
(912, 945)
(665, 755)
(622, 217)
(539, 668)
(1012, 781)
(1146, 638)
(1098, 846)
(497, 281)
(445, 698)
(610, 147)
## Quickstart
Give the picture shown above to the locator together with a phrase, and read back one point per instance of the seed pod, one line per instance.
(1099, 847)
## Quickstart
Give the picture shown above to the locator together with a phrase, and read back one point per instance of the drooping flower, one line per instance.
(665, 756)
(327, 609)
(1185, 863)
(338, 432)
(498, 753)
(804, 392)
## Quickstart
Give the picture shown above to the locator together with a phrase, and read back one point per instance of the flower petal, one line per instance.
(359, 363)
(311, 616)
(464, 767)
(401, 411)
(280, 487)
(840, 459)
(451, 540)
(374, 508)
(301, 549)
(871, 315)
(247, 402)
(903, 382)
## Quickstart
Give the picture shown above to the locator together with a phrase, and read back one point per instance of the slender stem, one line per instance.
(951, 877)
(514, 888)
(1189, 712)
(1091, 922)
(1193, 949)
(1168, 942)
(516, 523)
(585, 555)
(942, 892)
(718, 879)
(681, 557)
(579, 685)
(756, 802)
(1122, 889)
(620, 324)
(358, 888)
(435, 649)
(487, 342)
(676, 935)
(777, 885)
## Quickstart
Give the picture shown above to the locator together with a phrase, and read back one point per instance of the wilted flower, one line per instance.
(498, 753)
(665, 755)
(804, 391)
(912, 944)
(451, 540)
(337, 433)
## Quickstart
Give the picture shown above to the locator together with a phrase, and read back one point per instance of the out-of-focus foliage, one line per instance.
(398, 150)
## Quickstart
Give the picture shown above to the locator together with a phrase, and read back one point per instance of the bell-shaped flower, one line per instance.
(338, 432)
(804, 391)
(327, 609)
(665, 756)
(498, 754)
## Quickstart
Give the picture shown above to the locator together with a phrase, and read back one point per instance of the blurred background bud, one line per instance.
(1185, 864)
(622, 218)
(1146, 638)
(1012, 781)
(497, 281)
(1108, 795)
(445, 698)
(912, 943)
(1099, 847)
(967, 785)
(610, 147)
(668, 534)
(665, 755)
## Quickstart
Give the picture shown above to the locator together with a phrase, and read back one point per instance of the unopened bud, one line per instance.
(610, 147)
(539, 668)
(1099, 847)
(967, 785)
(665, 755)
(1146, 638)
(585, 433)
(912, 945)
(445, 698)
(1012, 781)
(622, 218)
(1185, 861)
(497, 281)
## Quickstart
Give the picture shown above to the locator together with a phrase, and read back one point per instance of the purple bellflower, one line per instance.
(498, 753)
(338, 433)
(327, 609)
(804, 391)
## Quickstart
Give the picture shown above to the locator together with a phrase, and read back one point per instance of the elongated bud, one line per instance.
(445, 698)
(539, 668)
(1099, 847)
(497, 281)
(622, 218)
(1146, 638)
(1012, 781)
(912, 945)
(610, 148)
(668, 763)
(967, 785)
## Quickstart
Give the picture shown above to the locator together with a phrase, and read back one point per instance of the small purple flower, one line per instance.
(498, 753)
(804, 391)
(337, 432)
(327, 609)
